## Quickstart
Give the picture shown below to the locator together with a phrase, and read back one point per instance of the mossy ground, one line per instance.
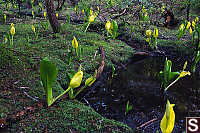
(20, 76)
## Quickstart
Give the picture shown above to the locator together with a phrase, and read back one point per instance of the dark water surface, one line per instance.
(139, 85)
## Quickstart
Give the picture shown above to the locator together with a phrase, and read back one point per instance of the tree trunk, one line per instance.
(52, 16)
(188, 10)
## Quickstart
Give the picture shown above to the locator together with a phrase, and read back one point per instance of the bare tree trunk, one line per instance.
(52, 16)
(188, 11)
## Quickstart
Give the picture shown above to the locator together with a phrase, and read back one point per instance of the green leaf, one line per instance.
(166, 76)
(128, 107)
(48, 73)
(71, 93)
(180, 34)
(85, 25)
(172, 75)
(195, 62)
(167, 70)
(87, 12)
(193, 36)
(114, 28)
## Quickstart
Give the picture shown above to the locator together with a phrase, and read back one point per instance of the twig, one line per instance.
(101, 67)
(22, 87)
(118, 15)
(16, 82)
(34, 99)
(147, 123)
(87, 102)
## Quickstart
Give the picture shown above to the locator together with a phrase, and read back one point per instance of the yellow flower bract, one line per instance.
(155, 33)
(76, 79)
(184, 73)
(57, 15)
(108, 25)
(45, 15)
(182, 26)
(167, 122)
(190, 30)
(75, 43)
(188, 25)
(148, 33)
(32, 13)
(91, 12)
(83, 11)
(196, 19)
(33, 28)
(12, 30)
(193, 24)
(92, 18)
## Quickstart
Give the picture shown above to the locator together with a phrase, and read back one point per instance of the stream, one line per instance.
(139, 85)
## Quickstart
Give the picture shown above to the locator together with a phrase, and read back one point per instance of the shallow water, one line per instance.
(139, 85)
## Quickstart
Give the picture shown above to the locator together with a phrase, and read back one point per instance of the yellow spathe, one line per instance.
(76, 79)
(167, 122)
(75, 43)
(182, 26)
(155, 33)
(148, 33)
(108, 25)
(12, 29)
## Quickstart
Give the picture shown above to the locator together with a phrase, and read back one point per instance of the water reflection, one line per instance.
(139, 84)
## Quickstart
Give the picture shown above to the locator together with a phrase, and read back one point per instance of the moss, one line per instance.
(24, 57)
(69, 116)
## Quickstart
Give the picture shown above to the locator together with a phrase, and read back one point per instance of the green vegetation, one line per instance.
(20, 65)
(166, 76)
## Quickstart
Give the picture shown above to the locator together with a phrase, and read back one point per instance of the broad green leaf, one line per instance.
(172, 75)
(167, 70)
(193, 36)
(180, 34)
(87, 12)
(128, 107)
(48, 73)
(197, 59)
(114, 28)
(166, 76)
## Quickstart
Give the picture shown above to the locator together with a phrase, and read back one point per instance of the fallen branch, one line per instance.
(101, 67)
(148, 123)
(34, 99)
(118, 15)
